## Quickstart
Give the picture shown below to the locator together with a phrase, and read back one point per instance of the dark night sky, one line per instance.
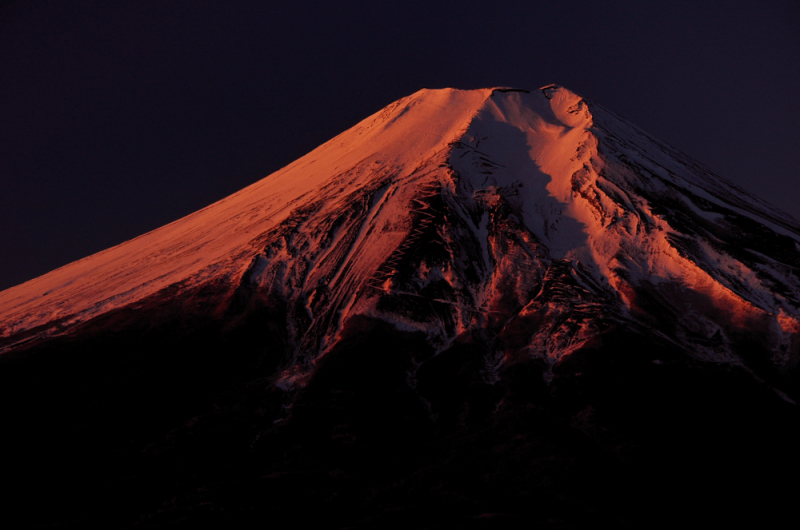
(118, 117)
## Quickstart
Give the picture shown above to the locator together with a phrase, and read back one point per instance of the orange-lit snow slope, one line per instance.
(222, 239)
(536, 216)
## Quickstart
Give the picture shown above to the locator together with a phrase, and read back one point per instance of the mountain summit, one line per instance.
(472, 277)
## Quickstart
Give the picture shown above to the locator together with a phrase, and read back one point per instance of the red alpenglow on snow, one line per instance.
(514, 187)
(483, 308)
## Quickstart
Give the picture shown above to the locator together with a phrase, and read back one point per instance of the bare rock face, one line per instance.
(481, 308)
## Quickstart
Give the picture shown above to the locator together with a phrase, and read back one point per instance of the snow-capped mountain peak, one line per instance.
(452, 210)
(512, 306)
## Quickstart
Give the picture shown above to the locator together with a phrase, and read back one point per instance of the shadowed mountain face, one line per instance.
(487, 309)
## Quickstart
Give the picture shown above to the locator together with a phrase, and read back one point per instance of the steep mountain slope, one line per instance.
(219, 242)
(472, 302)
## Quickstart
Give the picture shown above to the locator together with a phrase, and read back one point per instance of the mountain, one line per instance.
(481, 308)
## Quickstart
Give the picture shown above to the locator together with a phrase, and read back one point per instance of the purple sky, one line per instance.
(119, 117)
